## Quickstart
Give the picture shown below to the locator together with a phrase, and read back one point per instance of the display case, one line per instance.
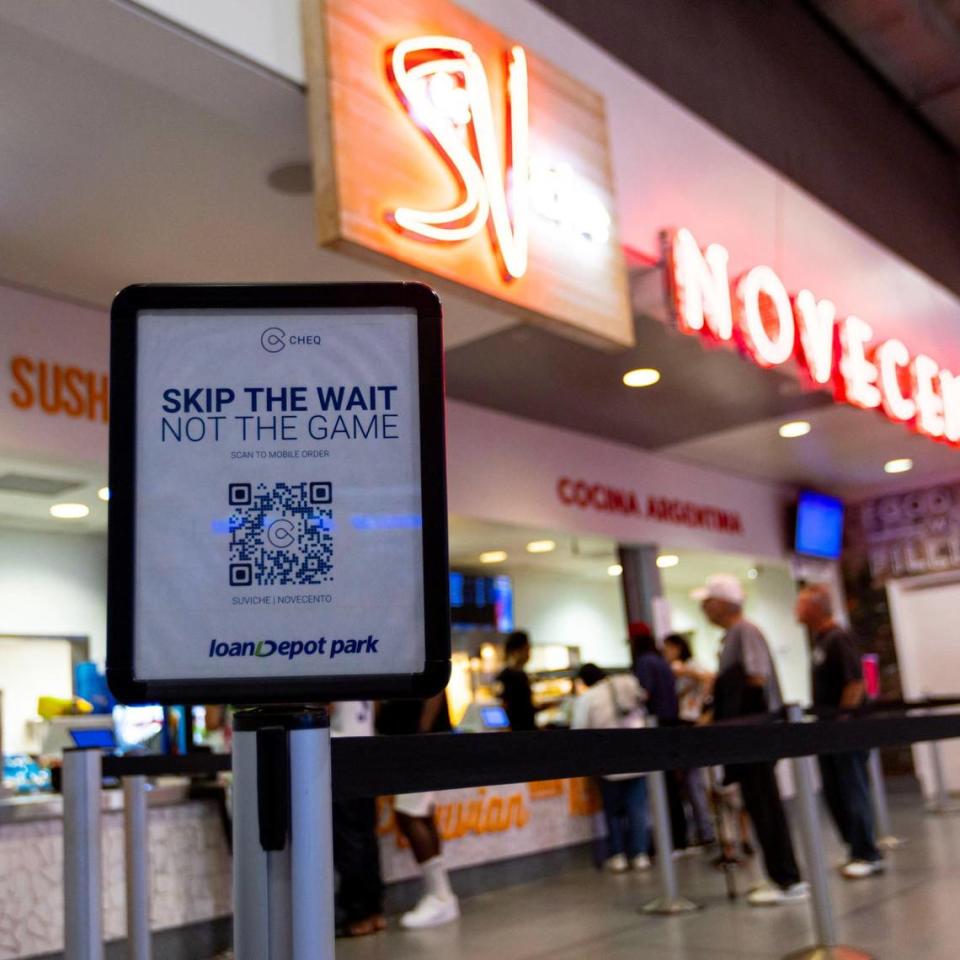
(478, 659)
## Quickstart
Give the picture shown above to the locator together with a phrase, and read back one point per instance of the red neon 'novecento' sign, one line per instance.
(756, 314)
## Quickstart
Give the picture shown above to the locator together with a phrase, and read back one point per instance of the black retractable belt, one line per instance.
(378, 766)
(273, 787)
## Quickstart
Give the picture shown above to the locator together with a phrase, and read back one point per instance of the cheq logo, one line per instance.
(273, 339)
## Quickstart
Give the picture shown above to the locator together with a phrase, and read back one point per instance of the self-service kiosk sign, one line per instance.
(278, 508)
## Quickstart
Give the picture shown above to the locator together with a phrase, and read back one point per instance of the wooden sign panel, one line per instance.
(440, 143)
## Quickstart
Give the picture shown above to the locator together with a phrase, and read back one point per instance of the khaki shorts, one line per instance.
(415, 804)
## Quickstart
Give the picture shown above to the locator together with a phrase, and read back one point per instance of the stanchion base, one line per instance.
(890, 843)
(668, 906)
(829, 953)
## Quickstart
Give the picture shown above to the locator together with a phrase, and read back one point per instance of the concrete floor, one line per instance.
(910, 913)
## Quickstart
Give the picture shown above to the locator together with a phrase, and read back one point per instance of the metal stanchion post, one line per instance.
(881, 812)
(250, 895)
(816, 862)
(941, 802)
(137, 857)
(282, 837)
(669, 901)
(311, 830)
(82, 856)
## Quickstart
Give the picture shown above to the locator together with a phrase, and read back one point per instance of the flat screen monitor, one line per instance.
(98, 737)
(494, 718)
(138, 728)
(477, 601)
(819, 531)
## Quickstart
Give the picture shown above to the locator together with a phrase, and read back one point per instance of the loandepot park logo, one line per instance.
(292, 649)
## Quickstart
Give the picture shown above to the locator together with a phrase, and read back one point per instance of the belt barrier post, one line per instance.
(137, 857)
(881, 812)
(282, 836)
(811, 830)
(82, 855)
(669, 902)
(941, 802)
(311, 821)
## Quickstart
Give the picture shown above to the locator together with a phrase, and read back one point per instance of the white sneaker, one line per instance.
(617, 864)
(861, 869)
(640, 862)
(431, 911)
(773, 896)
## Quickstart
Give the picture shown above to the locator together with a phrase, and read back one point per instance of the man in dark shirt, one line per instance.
(655, 675)
(515, 693)
(838, 685)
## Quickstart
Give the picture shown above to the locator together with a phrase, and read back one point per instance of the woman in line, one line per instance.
(606, 703)
(693, 687)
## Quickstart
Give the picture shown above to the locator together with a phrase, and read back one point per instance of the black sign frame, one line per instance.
(122, 535)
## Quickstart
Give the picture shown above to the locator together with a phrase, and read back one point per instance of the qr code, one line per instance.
(281, 534)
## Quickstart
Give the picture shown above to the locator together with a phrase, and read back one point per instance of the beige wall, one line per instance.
(573, 611)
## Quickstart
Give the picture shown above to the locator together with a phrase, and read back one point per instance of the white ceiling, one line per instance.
(844, 453)
(132, 151)
(586, 557)
(31, 511)
(118, 169)
(582, 557)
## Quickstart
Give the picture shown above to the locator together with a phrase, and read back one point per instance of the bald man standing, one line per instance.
(838, 685)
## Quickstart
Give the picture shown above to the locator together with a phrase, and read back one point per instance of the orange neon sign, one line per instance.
(443, 85)
(441, 144)
(756, 314)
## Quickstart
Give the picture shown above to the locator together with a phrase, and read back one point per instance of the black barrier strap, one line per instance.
(167, 765)
(871, 708)
(379, 766)
(376, 766)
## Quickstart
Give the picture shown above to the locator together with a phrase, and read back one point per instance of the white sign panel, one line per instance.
(277, 484)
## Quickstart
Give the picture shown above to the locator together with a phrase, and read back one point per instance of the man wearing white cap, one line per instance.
(747, 684)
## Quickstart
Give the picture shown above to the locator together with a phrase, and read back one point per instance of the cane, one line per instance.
(729, 864)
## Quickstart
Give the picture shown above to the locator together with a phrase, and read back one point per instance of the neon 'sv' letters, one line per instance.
(443, 85)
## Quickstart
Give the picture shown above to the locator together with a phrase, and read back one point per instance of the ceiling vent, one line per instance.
(42, 486)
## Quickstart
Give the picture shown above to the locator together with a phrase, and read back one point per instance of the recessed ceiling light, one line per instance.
(493, 556)
(614, 570)
(541, 546)
(69, 511)
(104, 493)
(901, 465)
(641, 377)
(795, 428)
(753, 573)
(667, 560)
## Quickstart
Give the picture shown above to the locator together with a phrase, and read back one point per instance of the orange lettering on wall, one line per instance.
(55, 389)
(584, 798)
(545, 789)
(479, 815)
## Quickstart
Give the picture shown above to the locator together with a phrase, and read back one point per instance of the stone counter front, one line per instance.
(190, 863)
(189, 866)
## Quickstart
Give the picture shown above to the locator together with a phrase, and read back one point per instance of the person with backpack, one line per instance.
(610, 703)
